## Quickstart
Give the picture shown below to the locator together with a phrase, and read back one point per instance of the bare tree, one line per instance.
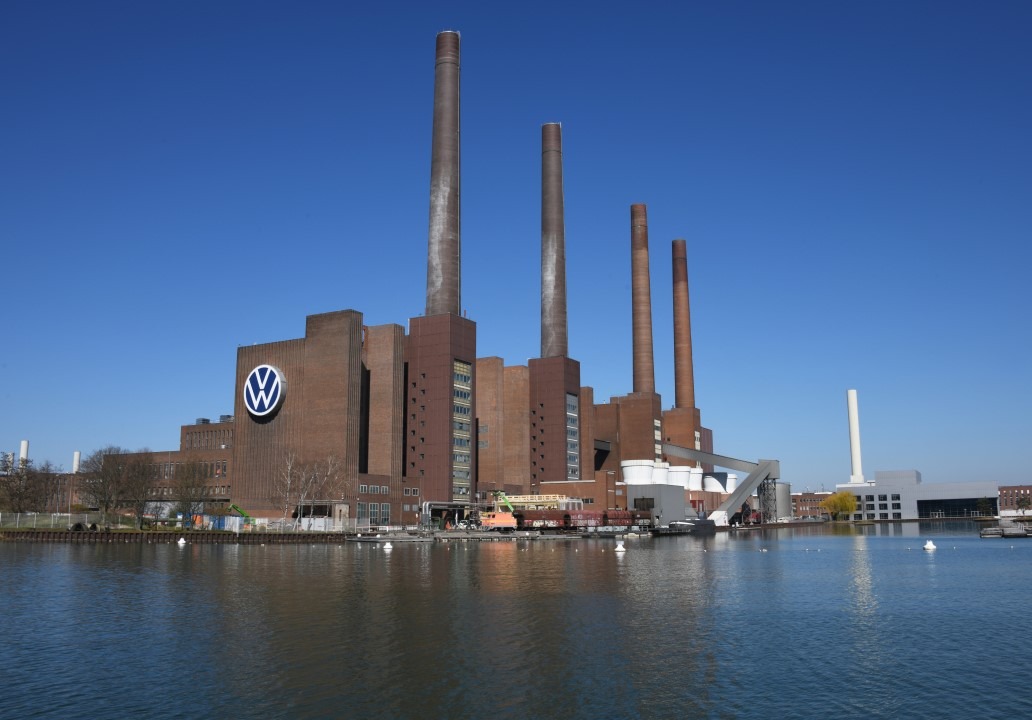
(24, 487)
(100, 486)
(318, 481)
(188, 487)
(137, 484)
(285, 484)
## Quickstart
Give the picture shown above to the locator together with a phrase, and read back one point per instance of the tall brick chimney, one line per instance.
(443, 269)
(553, 245)
(684, 373)
(641, 303)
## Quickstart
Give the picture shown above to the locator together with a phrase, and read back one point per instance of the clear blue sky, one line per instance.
(852, 178)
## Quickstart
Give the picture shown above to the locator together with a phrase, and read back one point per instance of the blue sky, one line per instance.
(853, 180)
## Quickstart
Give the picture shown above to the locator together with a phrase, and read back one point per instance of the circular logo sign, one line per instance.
(264, 390)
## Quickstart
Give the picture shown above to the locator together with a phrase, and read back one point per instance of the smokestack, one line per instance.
(857, 475)
(684, 373)
(553, 244)
(23, 453)
(76, 456)
(443, 257)
(641, 302)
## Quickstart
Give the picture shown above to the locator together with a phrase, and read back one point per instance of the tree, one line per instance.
(101, 479)
(301, 483)
(24, 487)
(115, 478)
(137, 484)
(188, 487)
(318, 480)
(285, 484)
(1023, 503)
(985, 506)
(842, 502)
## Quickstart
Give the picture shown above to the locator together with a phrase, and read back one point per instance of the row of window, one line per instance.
(881, 516)
(374, 489)
(376, 513)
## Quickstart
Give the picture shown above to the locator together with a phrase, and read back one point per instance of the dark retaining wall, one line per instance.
(87, 537)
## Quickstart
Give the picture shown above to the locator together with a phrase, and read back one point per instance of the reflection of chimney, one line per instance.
(641, 302)
(684, 374)
(857, 475)
(553, 245)
(443, 257)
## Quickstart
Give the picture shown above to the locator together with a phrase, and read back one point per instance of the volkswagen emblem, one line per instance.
(264, 390)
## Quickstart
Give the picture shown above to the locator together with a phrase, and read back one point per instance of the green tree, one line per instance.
(842, 502)
(985, 506)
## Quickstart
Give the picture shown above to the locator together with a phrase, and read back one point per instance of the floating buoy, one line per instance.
(929, 545)
(620, 547)
(388, 546)
(181, 541)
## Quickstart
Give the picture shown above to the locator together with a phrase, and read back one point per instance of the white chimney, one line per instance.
(75, 461)
(857, 474)
(23, 454)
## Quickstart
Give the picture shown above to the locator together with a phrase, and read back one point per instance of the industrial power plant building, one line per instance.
(410, 414)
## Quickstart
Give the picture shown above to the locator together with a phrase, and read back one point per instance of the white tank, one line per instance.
(732, 482)
(783, 497)
(660, 473)
(679, 475)
(711, 484)
(695, 480)
(637, 472)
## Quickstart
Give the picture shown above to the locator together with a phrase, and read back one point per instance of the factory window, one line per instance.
(895, 497)
(883, 506)
(385, 513)
(858, 516)
(482, 429)
(896, 506)
(870, 516)
(361, 511)
(363, 488)
(483, 444)
(883, 516)
(374, 513)
(882, 498)
(870, 506)
(384, 489)
(406, 493)
(415, 491)
(870, 497)
(897, 516)
(374, 490)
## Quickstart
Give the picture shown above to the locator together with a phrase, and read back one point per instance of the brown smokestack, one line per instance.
(444, 255)
(684, 375)
(553, 244)
(641, 302)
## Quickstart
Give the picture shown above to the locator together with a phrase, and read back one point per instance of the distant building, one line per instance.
(900, 495)
(1011, 500)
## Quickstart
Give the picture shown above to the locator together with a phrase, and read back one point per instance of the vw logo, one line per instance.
(264, 390)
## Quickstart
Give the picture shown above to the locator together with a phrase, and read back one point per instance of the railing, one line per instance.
(63, 521)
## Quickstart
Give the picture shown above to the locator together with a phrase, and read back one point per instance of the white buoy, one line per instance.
(388, 546)
(620, 547)
(181, 541)
(929, 545)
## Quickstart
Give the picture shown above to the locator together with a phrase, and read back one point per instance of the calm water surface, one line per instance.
(793, 623)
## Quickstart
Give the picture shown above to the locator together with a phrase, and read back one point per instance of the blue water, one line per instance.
(794, 623)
